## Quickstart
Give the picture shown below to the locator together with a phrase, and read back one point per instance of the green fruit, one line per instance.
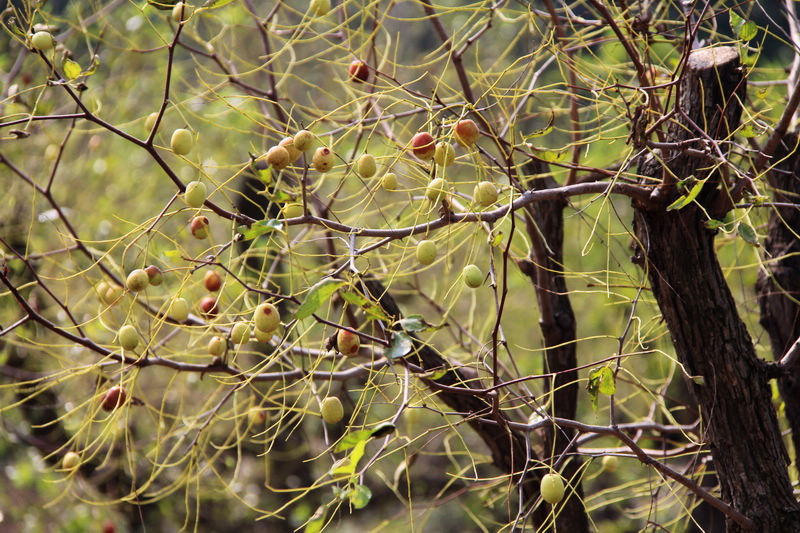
(181, 12)
(426, 252)
(51, 152)
(262, 336)
(332, 410)
(319, 8)
(43, 41)
(101, 289)
(150, 121)
(473, 277)
(323, 159)
(552, 488)
(181, 141)
(70, 461)
(179, 310)
(610, 463)
(216, 346)
(240, 333)
(128, 338)
(389, 181)
(292, 210)
(155, 275)
(444, 154)
(348, 343)
(113, 294)
(366, 166)
(195, 194)
(137, 280)
(485, 194)
(303, 140)
(436, 191)
(267, 318)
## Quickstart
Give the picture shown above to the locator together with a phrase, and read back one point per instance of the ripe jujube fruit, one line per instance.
(466, 132)
(155, 275)
(423, 146)
(209, 306)
(332, 410)
(199, 227)
(212, 280)
(137, 280)
(347, 342)
(113, 398)
(358, 71)
(267, 318)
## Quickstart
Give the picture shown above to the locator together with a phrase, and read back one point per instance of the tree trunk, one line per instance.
(779, 286)
(731, 386)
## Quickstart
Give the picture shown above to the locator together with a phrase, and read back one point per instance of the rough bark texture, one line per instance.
(710, 339)
(545, 226)
(779, 287)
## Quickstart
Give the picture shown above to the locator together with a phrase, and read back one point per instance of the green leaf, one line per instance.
(317, 295)
(353, 438)
(348, 465)
(401, 345)
(359, 496)
(314, 525)
(370, 308)
(736, 20)
(683, 201)
(382, 429)
(748, 31)
(497, 239)
(260, 228)
(71, 69)
(601, 380)
(544, 131)
(714, 224)
(747, 233)
(414, 323)
(749, 131)
(552, 156)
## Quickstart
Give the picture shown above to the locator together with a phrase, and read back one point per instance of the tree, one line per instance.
(280, 263)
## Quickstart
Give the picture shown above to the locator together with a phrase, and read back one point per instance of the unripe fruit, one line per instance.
(466, 132)
(137, 280)
(323, 159)
(332, 410)
(199, 227)
(51, 152)
(473, 277)
(240, 333)
(267, 318)
(422, 145)
(128, 338)
(42, 40)
(150, 121)
(179, 310)
(278, 157)
(70, 461)
(348, 343)
(552, 488)
(113, 294)
(155, 276)
(359, 71)
(366, 166)
(262, 336)
(196, 194)
(181, 12)
(181, 141)
(294, 152)
(216, 346)
(256, 416)
(426, 252)
(436, 191)
(303, 140)
(444, 154)
(319, 8)
(389, 181)
(209, 306)
(610, 463)
(485, 193)
(212, 281)
(114, 398)
(292, 210)
(101, 289)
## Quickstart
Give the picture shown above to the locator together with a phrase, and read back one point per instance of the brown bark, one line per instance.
(779, 286)
(710, 339)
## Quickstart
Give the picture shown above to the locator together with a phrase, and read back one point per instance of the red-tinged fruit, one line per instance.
(323, 159)
(466, 132)
(347, 342)
(256, 416)
(155, 275)
(114, 397)
(137, 280)
(212, 281)
(267, 318)
(216, 346)
(209, 306)
(359, 71)
(199, 227)
(109, 527)
(423, 146)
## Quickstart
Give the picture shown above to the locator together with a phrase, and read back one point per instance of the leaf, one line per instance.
(736, 20)
(401, 345)
(552, 156)
(317, 295)
(683, 201)
(748, 131)
(359, 496)
(383, 429)
(543, 131)
(413, 323)
(497, 239)
(260, 228)
(747, 233)
(71, 69)
(601, 380)
(348, 465)
(314, 525)
(748, 31)
(352, 438)
(370, 308)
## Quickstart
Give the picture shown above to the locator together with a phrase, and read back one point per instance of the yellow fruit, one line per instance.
(150, 121)
(323, 159)
(485, 193)
(70, 461)
(473, 277)
(128, 338)
(278, 157)
(610, 463)
(267, 318)
(113, 294)
(389, 181)
(195, 194)
(348, 343)
(240, 333)
(262, 336)
(256, 416)
(216, 346)
(552, 488)
(292, 210)
(445, 154)
(179, 310)
(426, 252)
(303, 140)
(294, 152)
(319, 8)
(182, 12)
(181, 141)
(101, 289)
(137, 280)
(42, 40)
(332, 410)
(366, 166)
(436, 191)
